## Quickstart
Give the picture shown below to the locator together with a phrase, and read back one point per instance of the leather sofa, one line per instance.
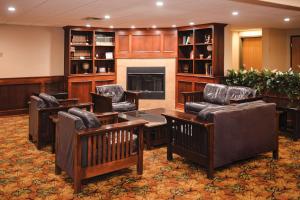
(89, 145)
(242, 131)
(113, 98)
(216, 95)
(40, 108)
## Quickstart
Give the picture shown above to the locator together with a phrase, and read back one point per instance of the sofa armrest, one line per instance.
(65, 108)
(132, 97)
(246, 100)
(101, 103)
(192, 96)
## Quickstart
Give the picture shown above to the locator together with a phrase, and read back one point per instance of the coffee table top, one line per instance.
(152, 116)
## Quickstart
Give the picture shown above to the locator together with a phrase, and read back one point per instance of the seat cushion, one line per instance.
(196, 107)
(239, 93)
(115, 91)
(215, 93)
(51, 101)
(123, 106)
(89, 119)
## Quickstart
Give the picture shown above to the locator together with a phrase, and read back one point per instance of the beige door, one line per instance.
(252, 53)
(295, 53)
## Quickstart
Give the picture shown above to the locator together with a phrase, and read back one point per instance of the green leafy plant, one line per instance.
(267, 81)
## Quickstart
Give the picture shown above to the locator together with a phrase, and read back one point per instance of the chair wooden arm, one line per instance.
(112, 127)
(108, 117)
(64, 108)
(192, 96)
(132, 97)
(246, 100)
(68, 101)
(101, 103)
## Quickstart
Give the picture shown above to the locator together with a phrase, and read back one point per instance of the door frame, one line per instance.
(291, 54)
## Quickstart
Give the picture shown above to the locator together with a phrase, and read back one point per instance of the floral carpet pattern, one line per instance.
(26, 173)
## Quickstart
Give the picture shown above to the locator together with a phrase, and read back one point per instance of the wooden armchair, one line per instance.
(87, 152)
(112, 98)
(39, 122)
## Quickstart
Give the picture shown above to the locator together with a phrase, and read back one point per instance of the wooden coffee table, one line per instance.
(155, 129)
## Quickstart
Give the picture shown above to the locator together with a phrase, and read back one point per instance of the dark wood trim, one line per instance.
(15, 92)
(269, 4)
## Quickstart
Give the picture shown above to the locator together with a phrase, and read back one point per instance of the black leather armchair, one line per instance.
(113, 98)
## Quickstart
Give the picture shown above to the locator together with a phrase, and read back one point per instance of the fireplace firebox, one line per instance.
(149, 81)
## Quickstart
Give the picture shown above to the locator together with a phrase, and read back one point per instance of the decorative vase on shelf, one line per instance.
(186, 68)
(85, 67)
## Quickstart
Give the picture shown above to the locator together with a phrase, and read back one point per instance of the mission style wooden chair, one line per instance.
(40, 108)
(89, 144)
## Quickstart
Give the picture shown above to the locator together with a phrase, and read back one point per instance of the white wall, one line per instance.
(29, 51)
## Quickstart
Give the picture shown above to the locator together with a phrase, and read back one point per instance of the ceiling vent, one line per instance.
(92, 18)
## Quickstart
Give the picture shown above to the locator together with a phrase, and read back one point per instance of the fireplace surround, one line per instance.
(149, 81)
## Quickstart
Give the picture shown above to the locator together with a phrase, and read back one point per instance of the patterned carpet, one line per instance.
(26, 173)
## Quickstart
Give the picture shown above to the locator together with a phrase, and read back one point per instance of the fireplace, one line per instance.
(150, 81)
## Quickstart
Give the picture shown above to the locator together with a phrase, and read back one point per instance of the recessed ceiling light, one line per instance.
(11, 9)
(287, 19)
(174, 25)
(88, 25)
(154, 26)
(192, 23)
(159, 3)
(235, 13)
(111, 26)
(133, 27)
(106, 17)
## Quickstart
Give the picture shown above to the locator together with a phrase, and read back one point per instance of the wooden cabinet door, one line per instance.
(295, 53)
(81, 90)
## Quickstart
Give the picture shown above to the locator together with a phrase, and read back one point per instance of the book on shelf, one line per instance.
(102, 40)
(79, 40)
(109, 55)
(187, 40)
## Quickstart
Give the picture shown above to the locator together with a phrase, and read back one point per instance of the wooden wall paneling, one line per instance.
(81, 90)
(184, 86)
(15, 92)
(252, 53)
(146, 43)
(295, 53)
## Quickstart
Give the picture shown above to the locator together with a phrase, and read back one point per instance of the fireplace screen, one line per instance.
(149, 81)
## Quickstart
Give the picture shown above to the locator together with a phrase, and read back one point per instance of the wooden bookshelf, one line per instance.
(93, 48)
(200, 58)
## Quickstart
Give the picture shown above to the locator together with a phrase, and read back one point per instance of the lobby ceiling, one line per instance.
(145, 13)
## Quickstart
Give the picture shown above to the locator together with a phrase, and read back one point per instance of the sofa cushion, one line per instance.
(115, 91)
(123, 106)
(215, 93)
(51, 101)
(239, 93)
(195, 107)
(89, 119)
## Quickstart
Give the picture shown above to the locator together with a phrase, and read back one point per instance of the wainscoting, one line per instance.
(15, 92)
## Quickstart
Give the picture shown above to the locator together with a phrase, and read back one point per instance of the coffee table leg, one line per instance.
(170, 137)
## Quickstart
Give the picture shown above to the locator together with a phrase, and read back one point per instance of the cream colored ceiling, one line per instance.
(144, 13)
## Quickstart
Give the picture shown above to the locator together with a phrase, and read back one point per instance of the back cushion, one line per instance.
(40, 103)
(115, 91)
(89, 119)
(50, 100)
(215, 93)
(239, 93)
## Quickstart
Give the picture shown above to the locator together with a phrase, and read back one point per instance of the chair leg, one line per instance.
(275, 154)
(77, 185)
(57, 169)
